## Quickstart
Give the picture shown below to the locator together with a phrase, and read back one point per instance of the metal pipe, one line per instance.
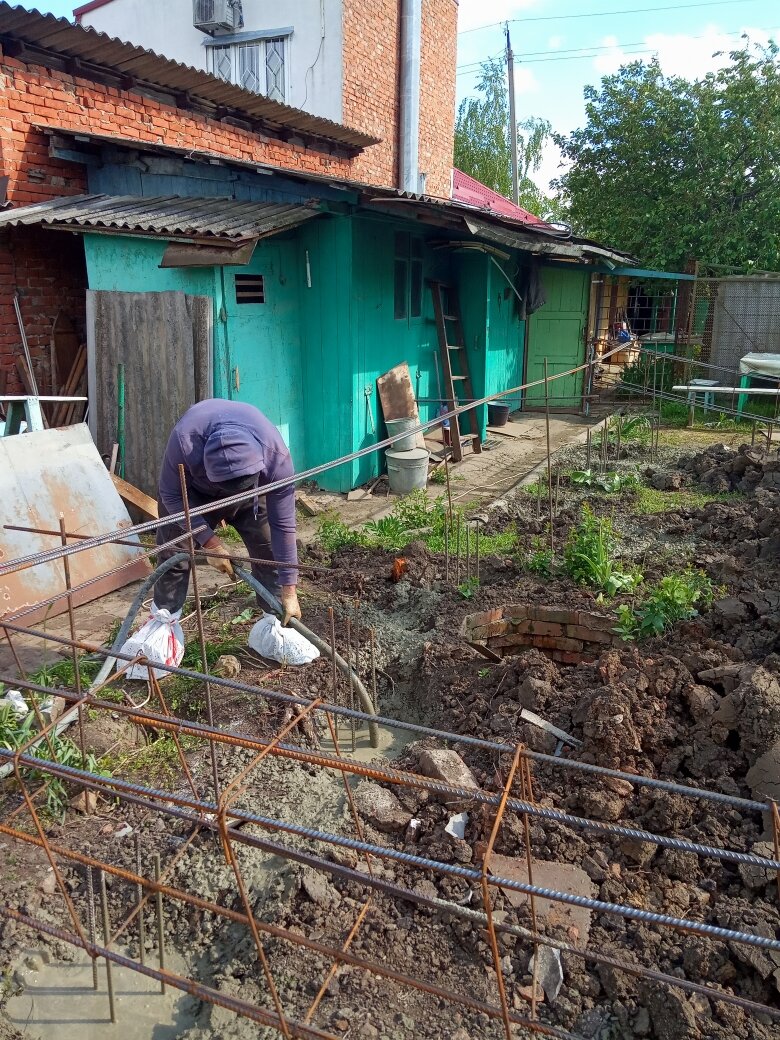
(549, 454)
(409, 95)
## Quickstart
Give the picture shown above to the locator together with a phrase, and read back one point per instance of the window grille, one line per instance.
(250, 288)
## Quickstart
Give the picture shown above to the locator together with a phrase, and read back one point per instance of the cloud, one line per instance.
(680, 54)
(555, 43)
(473, 13)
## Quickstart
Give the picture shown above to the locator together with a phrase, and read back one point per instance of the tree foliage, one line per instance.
(671, 169)
(483, 148)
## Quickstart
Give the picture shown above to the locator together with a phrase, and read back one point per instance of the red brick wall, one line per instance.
(371, 31)
(437, 93)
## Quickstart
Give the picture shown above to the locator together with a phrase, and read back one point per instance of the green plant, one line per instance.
(388, 533)
(333, 533)
(63, 673)
(483, 673)
(15, 733)
(589, 556)
(610, 482)
(439, 476)
(540, 560)
(468, 588)
(674, 598)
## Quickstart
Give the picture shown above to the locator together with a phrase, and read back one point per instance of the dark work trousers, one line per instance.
(170, 591)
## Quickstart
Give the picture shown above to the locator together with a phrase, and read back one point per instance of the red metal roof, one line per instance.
(472, 192)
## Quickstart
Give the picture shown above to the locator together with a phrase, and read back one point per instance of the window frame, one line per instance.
(408, 276)
(234, 49)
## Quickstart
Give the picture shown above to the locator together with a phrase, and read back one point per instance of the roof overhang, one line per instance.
(57, 43)
(211, 223)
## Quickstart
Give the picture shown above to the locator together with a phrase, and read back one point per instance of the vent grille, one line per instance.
(250, 288)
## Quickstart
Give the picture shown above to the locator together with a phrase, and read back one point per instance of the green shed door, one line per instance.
(556, 331)
(264, 340)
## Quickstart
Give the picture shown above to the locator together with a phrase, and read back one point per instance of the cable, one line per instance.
(604, 14)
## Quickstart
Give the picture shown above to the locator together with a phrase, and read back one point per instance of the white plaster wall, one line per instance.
(314, 50)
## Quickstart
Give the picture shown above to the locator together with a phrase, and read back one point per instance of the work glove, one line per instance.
(220, 560)
(290, 606)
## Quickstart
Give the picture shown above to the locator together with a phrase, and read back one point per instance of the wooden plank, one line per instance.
(63, 410)
(396, 395)
(136, 497)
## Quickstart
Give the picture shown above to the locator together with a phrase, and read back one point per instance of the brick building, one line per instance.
(132, 183)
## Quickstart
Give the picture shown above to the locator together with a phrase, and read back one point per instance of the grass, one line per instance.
(158, 762)
(416, 517)
(649, 500)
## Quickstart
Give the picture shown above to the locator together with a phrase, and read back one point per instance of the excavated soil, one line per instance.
(699, 706)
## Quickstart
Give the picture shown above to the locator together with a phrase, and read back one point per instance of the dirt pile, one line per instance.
(720, 468)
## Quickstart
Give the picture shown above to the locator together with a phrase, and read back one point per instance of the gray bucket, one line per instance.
(402, 426)
(407, 470)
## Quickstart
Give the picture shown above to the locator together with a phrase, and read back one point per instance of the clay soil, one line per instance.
(699, 706)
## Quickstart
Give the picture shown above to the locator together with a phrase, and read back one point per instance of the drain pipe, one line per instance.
(409, 123)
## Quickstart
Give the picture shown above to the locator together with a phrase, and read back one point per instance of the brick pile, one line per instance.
(568, 636)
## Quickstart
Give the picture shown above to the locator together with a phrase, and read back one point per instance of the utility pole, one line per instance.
(510, 68)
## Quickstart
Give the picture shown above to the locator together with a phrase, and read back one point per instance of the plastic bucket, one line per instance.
(498, 414)
(402, 426)
(407, 470)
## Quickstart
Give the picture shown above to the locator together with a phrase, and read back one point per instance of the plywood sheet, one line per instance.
(42, 475)
(396, 396)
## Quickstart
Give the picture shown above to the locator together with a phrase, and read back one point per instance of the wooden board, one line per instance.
(396, 395)
(136, 497)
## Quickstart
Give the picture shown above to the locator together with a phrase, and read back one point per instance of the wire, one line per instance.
(578, 53)
(604, 14)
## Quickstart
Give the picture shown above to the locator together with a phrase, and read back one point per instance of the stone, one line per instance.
(448, 767)
(381, 808)
(49, 884)
(763, 777)
(561, 877)
(85, 802)
(731, 609)
(227, 666)
(33, 963)
(755, 876)
(639, 852)
(594, 870)
(672, 1016)
(318, 888)
(549, 972)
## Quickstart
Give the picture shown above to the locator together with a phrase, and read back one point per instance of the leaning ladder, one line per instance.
(446, 309)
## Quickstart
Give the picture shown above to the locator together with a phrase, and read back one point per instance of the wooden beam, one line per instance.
(136, 497)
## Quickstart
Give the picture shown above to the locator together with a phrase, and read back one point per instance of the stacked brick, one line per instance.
(568, 636)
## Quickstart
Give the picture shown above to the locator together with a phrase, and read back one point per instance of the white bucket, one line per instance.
(407, 470)
(402, 426)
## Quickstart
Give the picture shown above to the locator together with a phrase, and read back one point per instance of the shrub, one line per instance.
(675, 598)
(589, 556)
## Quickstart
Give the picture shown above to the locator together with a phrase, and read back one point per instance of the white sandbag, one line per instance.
(270, 639)
(161, 640)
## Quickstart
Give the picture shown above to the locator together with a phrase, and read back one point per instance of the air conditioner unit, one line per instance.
(212, 16)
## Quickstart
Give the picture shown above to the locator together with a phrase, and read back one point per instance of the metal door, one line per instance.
(557, 331)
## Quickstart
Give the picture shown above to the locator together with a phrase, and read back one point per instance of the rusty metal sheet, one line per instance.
(43, 475)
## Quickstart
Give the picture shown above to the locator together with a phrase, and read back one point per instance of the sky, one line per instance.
(560, 46)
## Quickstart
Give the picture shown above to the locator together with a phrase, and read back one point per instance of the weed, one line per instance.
(388, 532)
(540, 560)
(229, 534)
(439, 476)
(16, 733)
(675, 598)
(589, 556)
(157, 762)
(333, 533)
(63, 672)
(609, 482)
(468, 588)
(483, 673)
(649, 500)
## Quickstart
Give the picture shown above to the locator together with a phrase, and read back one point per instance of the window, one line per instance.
(250, 288)
(258, 65)
(407, 276)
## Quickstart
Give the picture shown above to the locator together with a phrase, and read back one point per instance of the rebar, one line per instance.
(158, 910)
(351, 688)
(374, 690)
(91, 927)
(139, 891)
(588, 448)
(467, 530)
(476, 548)
(74, 654)
(549, 456)
(457, 551)
(334, 666)
(446, 550)
(107, 942)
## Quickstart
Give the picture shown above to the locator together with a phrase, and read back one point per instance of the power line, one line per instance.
(579, 53)
(604, 14)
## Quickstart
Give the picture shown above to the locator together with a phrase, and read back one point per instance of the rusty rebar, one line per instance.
(446, 552)
(91, 929)
(334, 666)
(139, 891)
(351, 688)
(158, 910)
(107, 942)
(467, 529)
(199, 620)
(374, 690)
(457, 551)
(74, 654)
(476, 551)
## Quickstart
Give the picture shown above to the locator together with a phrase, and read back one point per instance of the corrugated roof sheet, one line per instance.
(170, 215)
(472, 192)
(95, 48)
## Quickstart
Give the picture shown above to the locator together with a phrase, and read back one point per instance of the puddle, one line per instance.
(392, 742)
(59, 1002)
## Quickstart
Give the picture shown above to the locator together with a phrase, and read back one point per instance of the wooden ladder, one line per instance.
(446, 308)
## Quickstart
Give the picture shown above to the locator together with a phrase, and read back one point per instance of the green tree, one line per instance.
(483, 149)
(668, 168)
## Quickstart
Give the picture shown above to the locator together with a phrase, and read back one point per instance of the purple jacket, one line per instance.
(221, 440)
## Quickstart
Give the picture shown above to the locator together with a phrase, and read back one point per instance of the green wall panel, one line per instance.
(556, 332)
